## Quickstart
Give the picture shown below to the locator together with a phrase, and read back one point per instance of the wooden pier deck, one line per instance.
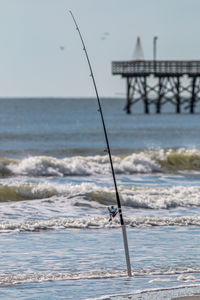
(177, 82)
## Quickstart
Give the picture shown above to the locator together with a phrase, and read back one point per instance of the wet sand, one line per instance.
(188, 298)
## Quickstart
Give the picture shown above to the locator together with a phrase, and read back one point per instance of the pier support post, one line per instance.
(146, 104)
(158, 104)
(178, 100)
(128, 98)
(193, 98)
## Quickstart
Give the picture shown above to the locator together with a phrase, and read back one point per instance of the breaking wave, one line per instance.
(180, 159)
(135, 197)
(96, 223)
(78, 165)
(142, 162)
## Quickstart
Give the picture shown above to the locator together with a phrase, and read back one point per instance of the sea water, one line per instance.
(55, 188)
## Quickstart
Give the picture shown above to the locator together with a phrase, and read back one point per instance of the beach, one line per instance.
(56, 187)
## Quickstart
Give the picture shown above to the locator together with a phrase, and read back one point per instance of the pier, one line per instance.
(158, 82)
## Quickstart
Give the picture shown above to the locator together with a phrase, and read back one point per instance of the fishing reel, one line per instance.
(113, 212)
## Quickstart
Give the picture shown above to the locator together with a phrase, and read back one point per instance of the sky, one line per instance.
(41, 54)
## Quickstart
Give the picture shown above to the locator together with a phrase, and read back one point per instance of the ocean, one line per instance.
(56, 186)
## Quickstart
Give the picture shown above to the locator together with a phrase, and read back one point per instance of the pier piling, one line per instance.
(159, 82)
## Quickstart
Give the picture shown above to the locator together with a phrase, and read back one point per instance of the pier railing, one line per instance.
(158, 67)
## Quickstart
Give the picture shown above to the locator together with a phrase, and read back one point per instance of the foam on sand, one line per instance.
(20, 278)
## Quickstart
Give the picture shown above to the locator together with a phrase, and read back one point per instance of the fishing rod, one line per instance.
(128, 264)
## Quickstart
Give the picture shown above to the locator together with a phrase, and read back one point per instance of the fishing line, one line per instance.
(109, 153)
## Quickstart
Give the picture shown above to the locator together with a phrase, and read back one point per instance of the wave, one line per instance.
(90, 193)
(20, 278)
(78, 165)
(180, 159)
(20, 192)
(143, 162)
(96, 223)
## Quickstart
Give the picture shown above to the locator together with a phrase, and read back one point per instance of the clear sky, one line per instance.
(41, 54)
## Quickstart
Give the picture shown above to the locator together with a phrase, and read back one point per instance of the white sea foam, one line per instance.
(144, 197)
(42, 277)
(161, 198)
(142, 162)
(83, 166)
(28, 277)
(159, 280)
(95, 223)
(186, 278)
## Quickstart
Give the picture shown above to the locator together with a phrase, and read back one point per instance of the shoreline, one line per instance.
(188, 298)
